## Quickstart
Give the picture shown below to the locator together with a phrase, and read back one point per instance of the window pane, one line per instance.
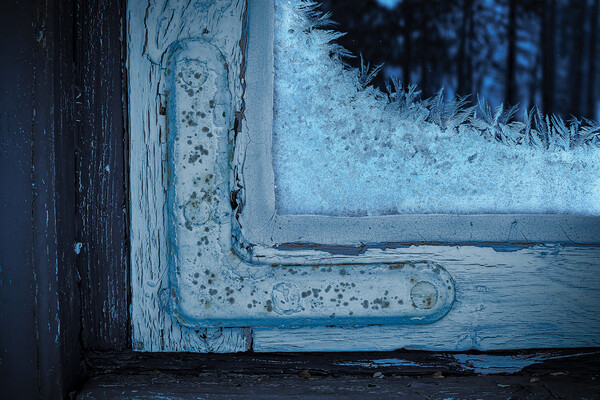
(344, 147)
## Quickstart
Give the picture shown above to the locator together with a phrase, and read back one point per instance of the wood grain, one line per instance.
(345, 363)
(543, 296)
(18, 343)
(413, 374)
(507, 297)
(152, 27)
(294, 387)
(340, 375)
(101, 175)
(40, 300)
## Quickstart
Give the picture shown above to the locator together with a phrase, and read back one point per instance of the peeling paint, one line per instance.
(216, 251)
(200, 220)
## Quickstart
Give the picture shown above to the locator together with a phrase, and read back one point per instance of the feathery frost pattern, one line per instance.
(342, 147)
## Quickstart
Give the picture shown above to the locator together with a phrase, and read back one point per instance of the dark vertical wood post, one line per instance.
(65, 188)
(39, 300)
(102, 175)
(18, 343)
(44, 232)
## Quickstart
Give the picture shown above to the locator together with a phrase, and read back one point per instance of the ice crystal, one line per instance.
(342, 147)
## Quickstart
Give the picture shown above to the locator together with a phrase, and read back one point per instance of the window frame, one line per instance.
(498, 276)
(269, 234)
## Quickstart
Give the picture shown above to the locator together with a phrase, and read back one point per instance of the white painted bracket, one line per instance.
(210, 284)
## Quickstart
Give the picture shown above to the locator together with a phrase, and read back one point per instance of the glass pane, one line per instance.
(347, 141)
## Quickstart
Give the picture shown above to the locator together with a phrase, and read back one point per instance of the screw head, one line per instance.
(424, 295)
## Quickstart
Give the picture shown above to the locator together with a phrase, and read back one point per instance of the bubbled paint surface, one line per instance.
(210, 284)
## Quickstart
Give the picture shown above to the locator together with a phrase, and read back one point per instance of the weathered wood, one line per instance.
(153, 26)
(69, 277)
(40, 317)
(341, 376)
(45, 132)
(542, 296)
(102, 228)
(508, 296)
(294, 387)
(582, 361)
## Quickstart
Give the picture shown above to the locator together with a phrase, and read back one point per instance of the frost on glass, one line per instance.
(342, 147)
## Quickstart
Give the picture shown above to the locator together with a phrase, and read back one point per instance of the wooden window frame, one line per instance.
(66, 316)
(486, 258)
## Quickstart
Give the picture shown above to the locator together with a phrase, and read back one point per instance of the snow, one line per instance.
(342, 149)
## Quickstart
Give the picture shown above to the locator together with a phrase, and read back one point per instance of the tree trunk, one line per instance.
(407, 16)
(591, 93)
(576, 64)
(548, 15)
(511, 55)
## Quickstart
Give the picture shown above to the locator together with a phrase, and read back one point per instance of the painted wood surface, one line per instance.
(39, 296)
(69, 275)
(543, 296)
(211, 286)
(545, 374)
(153, 26)
(101, 222)
(331, 387)
(532, 295)
(580, 360)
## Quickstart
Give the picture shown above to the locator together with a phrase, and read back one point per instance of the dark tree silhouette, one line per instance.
(592, 86)
(540, 53)
(511, 58)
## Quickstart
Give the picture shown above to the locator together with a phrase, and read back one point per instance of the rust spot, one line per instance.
(398, 265)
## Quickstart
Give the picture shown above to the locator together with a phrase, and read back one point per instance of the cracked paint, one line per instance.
(210, 285)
